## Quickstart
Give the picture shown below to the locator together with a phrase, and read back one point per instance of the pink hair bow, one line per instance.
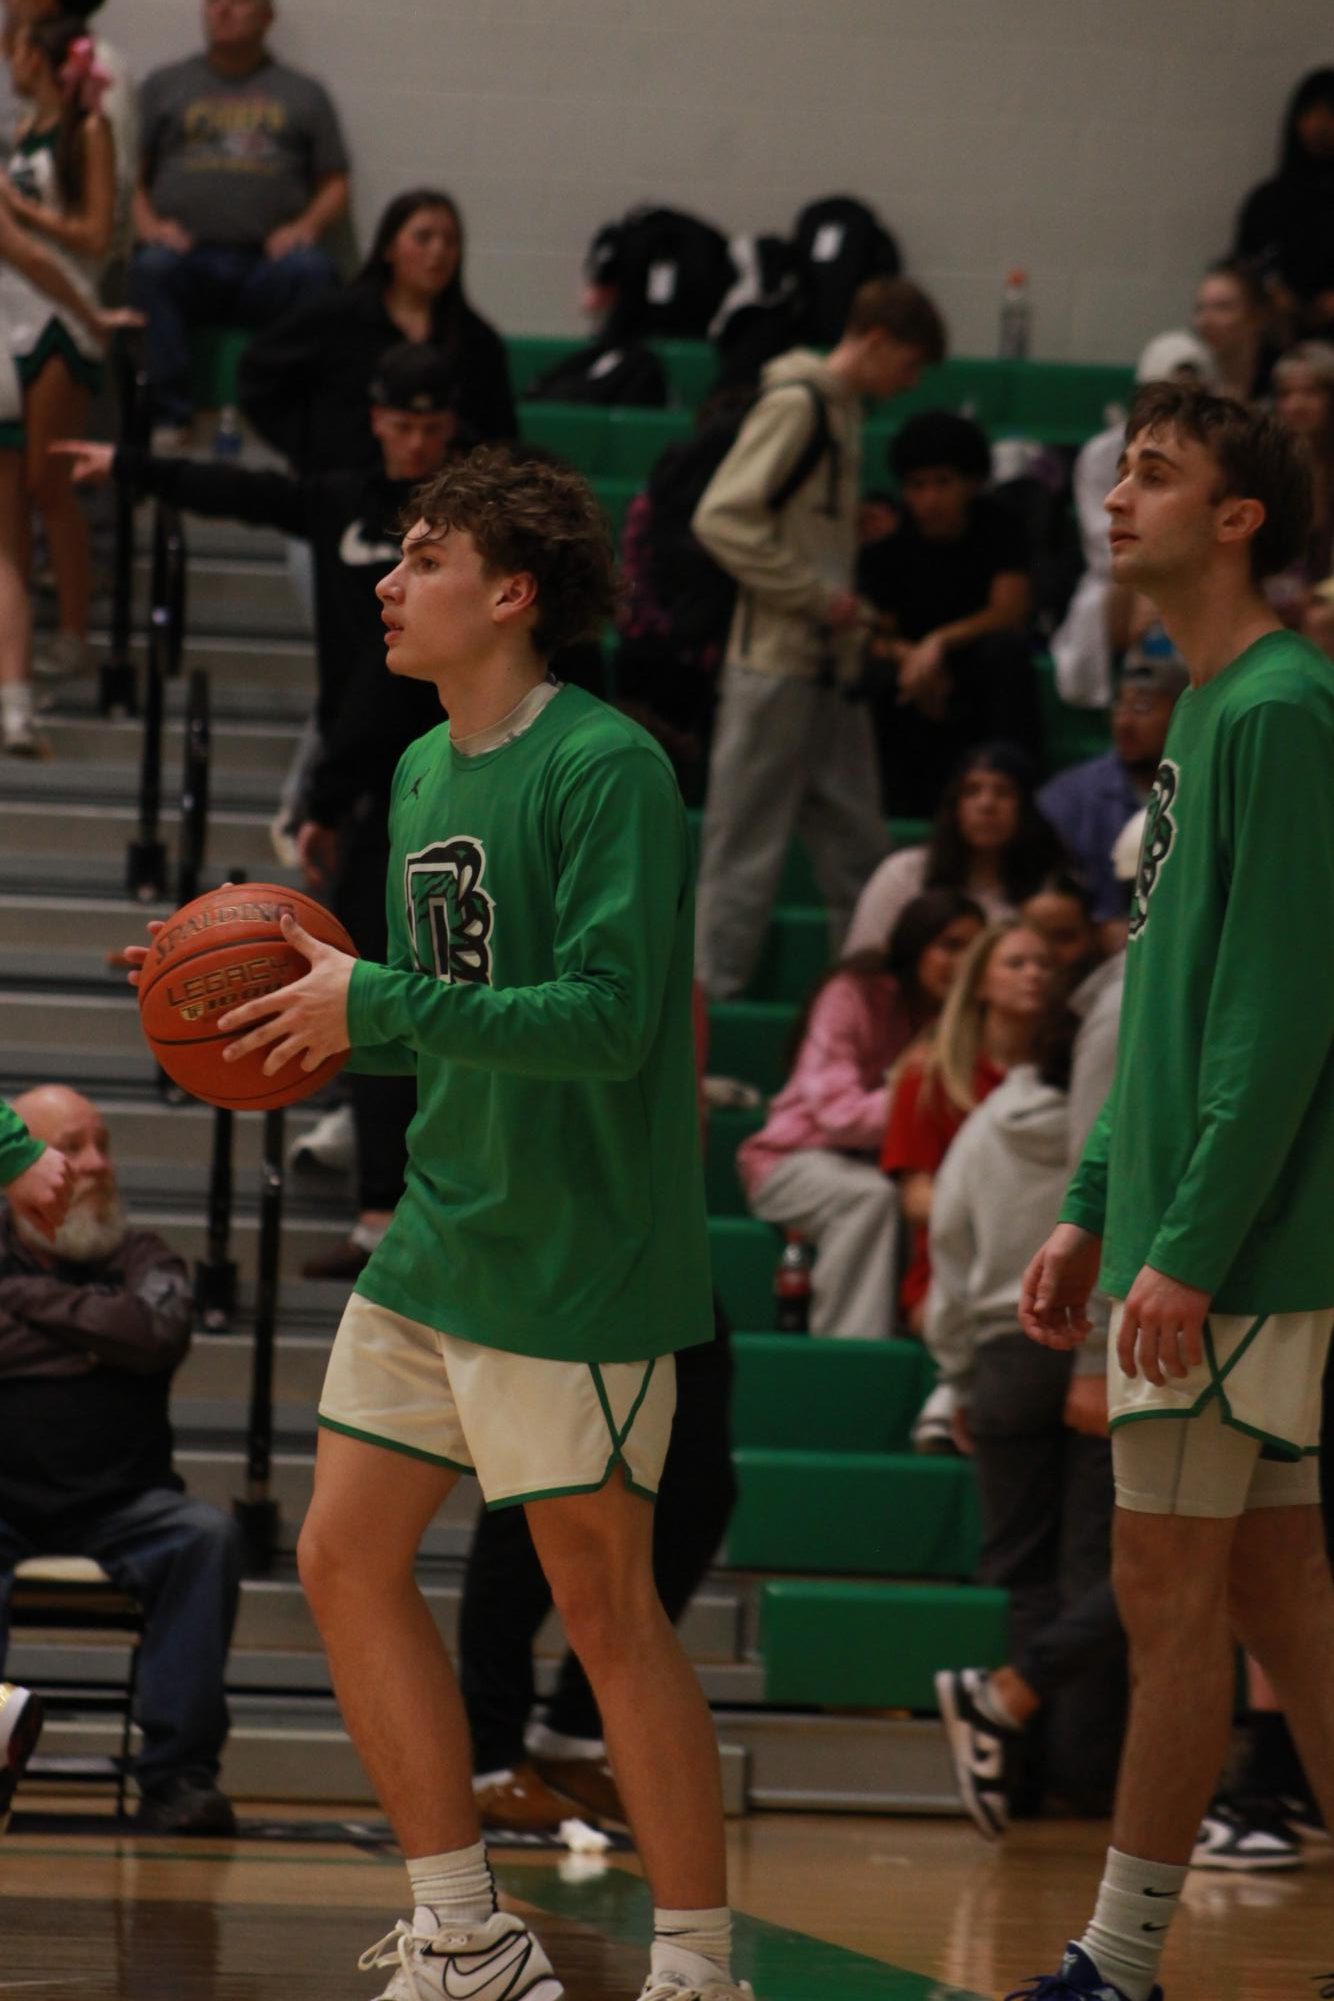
(83, 78)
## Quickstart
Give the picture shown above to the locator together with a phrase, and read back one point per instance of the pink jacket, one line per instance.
(836, 1097)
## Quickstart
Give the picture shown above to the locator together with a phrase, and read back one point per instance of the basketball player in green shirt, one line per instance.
(1205, 1198)
(549, 1254)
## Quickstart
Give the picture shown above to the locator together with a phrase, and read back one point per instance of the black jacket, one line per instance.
(305, 380)
(87, 1354)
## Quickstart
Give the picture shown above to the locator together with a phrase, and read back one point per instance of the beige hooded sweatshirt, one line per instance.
(788, 563)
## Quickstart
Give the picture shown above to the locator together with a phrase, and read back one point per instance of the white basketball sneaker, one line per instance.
(20, 1727)
(674, 1987)
(497, 1961)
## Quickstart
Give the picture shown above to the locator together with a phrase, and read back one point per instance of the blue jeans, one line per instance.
(214, 282)
(182, 1560)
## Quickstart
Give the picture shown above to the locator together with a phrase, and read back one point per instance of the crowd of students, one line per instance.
(869, 656)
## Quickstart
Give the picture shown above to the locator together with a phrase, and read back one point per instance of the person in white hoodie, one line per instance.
(793, 751)
(1038, 1440)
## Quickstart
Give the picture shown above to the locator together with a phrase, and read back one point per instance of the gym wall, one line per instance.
(1103, 144)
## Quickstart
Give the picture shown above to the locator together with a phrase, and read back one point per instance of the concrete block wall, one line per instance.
(1103, 144)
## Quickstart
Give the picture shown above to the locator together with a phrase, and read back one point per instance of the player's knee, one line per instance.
(326, 1562)
(603, 1610)
(1157, 1599)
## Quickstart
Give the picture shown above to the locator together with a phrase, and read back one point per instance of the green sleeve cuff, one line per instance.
(18, 1155)
(1084, 1213)
(363, 1031)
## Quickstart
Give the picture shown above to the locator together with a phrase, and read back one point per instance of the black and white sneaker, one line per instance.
(1244, 1839)
(497, 1961)
(20, 1727)
(977, 1746)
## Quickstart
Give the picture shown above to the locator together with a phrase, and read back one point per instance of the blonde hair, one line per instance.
(950, 1061)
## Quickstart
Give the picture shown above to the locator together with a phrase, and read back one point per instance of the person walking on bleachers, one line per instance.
(1035, 1424)
(1102, 617)
(95, 1319)
(1286, 226)
(1089, 804)
(242, 170)
(365, 717)
(812, 1167)
(989, 1023)
(791, 750)
(953, 585)
(304, 380)
(989, 839)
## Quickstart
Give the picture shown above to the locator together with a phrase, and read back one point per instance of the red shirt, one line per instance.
(921, 1126)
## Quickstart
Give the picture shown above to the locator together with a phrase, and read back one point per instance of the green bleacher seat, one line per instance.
(728, 1126)
(874, 1646)
(1065, 402)
(794, 1392)
(574, 430)
(796, 952)
(692, 369)
(530, 355)
(215, 358)
(637, 438)
(744, 1255)
(616, 495)
(888, 1514)
(751, 1040)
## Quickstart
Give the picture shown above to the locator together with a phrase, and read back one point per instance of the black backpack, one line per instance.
(696, 595)
(759, 317)
(605, 375)
(670, 270)
(838, 243)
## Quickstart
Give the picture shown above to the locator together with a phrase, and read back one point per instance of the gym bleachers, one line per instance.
(845, 1581)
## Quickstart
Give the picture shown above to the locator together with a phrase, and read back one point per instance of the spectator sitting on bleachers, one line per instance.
(1232, 318)
(953, 583)
(242, 170)
(789, 749)
(812, 1167)
(304, 381)
(94, 1322)
(1060, 910)
(1286, 226)
(989, 1023)
(1303, 596)
(1088, 804)
(1082, 647)
(1035, 1422)
(989, 839)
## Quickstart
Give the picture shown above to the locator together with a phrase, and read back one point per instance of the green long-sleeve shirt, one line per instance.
(540, 946)
(18, 1148)
(1213, 1160)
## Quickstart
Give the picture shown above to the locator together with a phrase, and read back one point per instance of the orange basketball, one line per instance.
(222, 949)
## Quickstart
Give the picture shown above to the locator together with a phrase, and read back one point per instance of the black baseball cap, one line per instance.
(414, 376)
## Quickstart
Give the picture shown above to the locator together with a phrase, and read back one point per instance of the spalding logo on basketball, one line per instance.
(222, 949)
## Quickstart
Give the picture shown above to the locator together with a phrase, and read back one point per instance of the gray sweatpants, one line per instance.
(850, 1211)
(788, 757)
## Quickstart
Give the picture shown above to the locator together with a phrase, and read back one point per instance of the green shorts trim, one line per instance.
(56, 343)
(390, 1444)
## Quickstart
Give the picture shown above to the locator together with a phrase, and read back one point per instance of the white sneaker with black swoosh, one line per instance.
(497, 1961)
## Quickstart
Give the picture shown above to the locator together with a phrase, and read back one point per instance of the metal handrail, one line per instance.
(256, 1511)
(194, 788)
(146, 857)
(116, 695)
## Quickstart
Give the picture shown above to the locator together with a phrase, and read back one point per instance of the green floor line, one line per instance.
(780, 1965)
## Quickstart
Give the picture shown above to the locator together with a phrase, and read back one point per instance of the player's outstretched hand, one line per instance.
(132, 956)
(306, 1020)
(1162, 1327)
(1057, 1287)
(91, 464)
(41, 1194)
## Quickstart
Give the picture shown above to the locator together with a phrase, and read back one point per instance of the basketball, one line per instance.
(222, 949)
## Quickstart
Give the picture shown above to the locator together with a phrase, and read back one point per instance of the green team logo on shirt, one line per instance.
(1160, 832)
(450, 915)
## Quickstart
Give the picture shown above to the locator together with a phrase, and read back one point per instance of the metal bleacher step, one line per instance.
(296, 1750)
(53, 830)
(251, 678)
(227, 594)
(112, 785)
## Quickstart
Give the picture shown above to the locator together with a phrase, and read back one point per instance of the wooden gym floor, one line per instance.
(835, 1909)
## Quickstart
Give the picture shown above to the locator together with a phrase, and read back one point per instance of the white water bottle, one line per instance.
(1016, 318)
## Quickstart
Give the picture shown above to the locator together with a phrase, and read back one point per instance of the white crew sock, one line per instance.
(695, 1944)
(455, 1890)
(1126, 1935)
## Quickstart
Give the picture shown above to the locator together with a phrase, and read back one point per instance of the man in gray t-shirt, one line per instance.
(242, 169)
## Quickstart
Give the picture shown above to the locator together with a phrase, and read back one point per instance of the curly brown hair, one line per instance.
(526, 512)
